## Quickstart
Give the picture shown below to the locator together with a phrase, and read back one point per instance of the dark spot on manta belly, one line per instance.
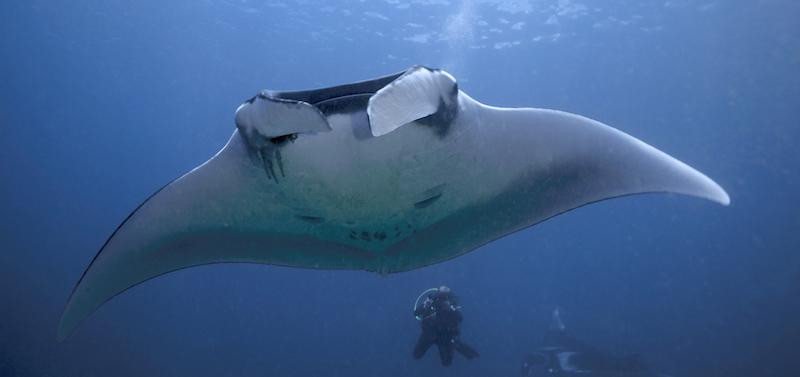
(377, 235)
(424, 203)
(311, 219)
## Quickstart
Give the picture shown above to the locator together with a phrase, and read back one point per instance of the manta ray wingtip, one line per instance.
(64, 329)
(722, 197)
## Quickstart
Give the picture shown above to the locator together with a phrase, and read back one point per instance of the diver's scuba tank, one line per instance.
(427, 301)
(430, 295)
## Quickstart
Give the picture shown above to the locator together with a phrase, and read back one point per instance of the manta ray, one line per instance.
(385, 175)
(563, 355)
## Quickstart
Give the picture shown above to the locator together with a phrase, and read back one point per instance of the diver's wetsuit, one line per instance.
(441, 320)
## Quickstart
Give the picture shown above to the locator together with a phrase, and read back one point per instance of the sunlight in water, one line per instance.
(458, 32)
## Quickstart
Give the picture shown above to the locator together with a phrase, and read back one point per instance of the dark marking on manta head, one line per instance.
(442, 119)
(272, 152)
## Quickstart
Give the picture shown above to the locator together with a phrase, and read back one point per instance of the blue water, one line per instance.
(102, 102)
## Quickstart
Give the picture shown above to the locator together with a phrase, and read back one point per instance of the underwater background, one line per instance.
(104, 101)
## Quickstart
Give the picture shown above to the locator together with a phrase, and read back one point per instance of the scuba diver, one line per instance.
(563, 355)
(440, 317)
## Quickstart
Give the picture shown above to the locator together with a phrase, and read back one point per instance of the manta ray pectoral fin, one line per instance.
(576, 160)
(416, 94)
(217, 213)
(265, 117)
(540, 163)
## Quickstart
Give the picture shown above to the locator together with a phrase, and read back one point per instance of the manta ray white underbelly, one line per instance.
(385, 175)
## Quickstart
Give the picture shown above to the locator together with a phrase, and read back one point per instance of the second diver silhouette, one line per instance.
(440, 318)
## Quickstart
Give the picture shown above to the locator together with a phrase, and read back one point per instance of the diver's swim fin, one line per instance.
(465, 350)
